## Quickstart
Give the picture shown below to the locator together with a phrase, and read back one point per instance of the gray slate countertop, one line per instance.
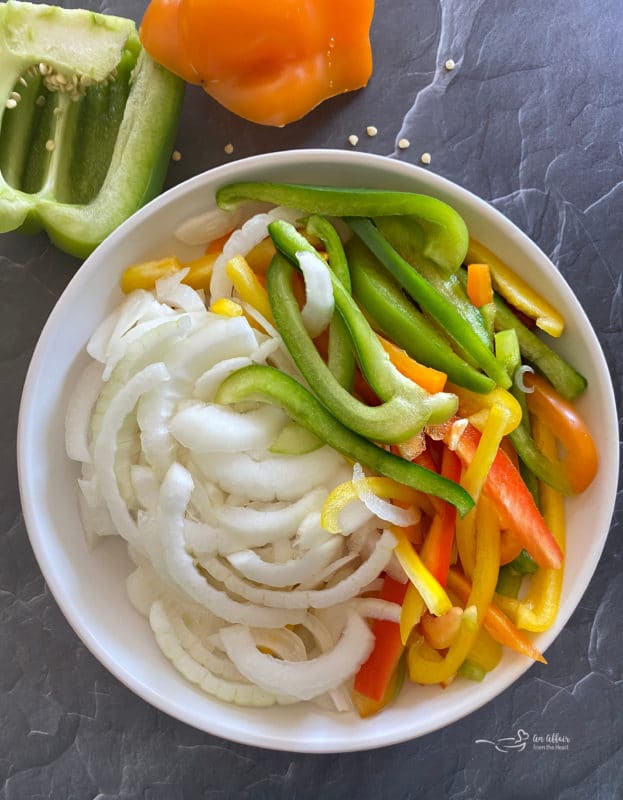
(530, 119)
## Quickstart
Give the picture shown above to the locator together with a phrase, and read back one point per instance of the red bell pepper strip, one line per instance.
(375, 674)
(513, 502)
(437, 548)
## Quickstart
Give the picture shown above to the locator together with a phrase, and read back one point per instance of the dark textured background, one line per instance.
(530, 120)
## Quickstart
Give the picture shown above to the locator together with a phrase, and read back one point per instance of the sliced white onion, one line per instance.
(144, 587)
(307, 679)
(249, 564)
(456, 432)
(310, 532)
(382, 508)
(519, 378)
(79, 409)
(311, 598)
(241, 242)
(145, 485)
(201, 538)
(208, 226)
(259, 318)
(209, 428)
(319, 305)
(174, 497)
(375, 608)
(207, 384)
(124, 317)
(280, 477)
(232, 692)
(154, 413)
(172, 291)
(106, 445)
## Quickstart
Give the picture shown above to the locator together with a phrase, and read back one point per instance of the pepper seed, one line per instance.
(50, 145)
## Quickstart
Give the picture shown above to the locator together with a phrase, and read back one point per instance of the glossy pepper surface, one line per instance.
(89, 140)
(270, 63)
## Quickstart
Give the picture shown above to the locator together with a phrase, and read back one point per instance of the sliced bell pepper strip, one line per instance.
(376, 672)
(441, 232)
(496, 622)
(581, 460)
(478, 406)
(340, 356)
(248, 286)
(485, 578)
(226, 307)
(479, 288)
(433, 594)
(436, 551)
(516, 291)
(399, 233)
(413, 607)
(486, 652)
(61, 168)
(514, 503)
(345, 493)
(444, 312)
(406, 407)
(471, 671)
(145, 274)
(367, 707)
(272, 385)
(432, 380)
(393, 313)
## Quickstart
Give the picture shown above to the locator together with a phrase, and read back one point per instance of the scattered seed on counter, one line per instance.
(176, 155)
(371, 130)
(353, 139)
(229, 148)
(425, 158)
(403, 144)
(50, 145)
(450, 65)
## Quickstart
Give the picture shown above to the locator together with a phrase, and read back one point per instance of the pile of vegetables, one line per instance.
(332, 449)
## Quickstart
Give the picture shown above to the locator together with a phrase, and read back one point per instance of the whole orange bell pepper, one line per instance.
(267, 62)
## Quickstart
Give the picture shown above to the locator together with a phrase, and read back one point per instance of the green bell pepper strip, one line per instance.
(407, 407)
(402, 236)
(88, 142)
(340, 358)
(258, 382)
(509, 581)
(398, 318)
(441, 232)
(427, 296)
(524, 564)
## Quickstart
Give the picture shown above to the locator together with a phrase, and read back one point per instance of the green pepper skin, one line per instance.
(442, 232)
(258, 382)
(429, 298)
(397, 317)
(340, 358)
(112, 138)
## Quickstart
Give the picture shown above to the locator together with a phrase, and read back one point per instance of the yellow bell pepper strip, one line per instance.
(393, 313)
(433, 594)
(406, 407)
(581, 460)
(413, 607)
(340, 356)
(274, 386)
(346, 493)
(432, 380)
(109, 113)
(480, 597)
(473, 482)
(479, 289)
(441, 232)
(436, 551)
(477, 407)
(486, 652)
(516, 291)
(145, 274)
(538, 609)
(514, 503)
(374, 675)
(457, 323)
(261, 255)
(226, 307)
(248, 286)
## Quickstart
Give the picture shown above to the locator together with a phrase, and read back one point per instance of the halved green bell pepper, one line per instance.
(87, 122)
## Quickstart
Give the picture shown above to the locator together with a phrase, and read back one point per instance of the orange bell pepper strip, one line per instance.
(436, 551)
(496, 622)
(510, 548)
(479, 289)
(375, 674)
(480, 596)
(270, 63)
(516, 291)
(581, 459)
(514, 503)
(428, 378)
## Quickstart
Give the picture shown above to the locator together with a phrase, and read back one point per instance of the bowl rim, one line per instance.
(433, 183)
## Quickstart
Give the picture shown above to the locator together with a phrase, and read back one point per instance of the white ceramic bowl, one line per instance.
(89, 585)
